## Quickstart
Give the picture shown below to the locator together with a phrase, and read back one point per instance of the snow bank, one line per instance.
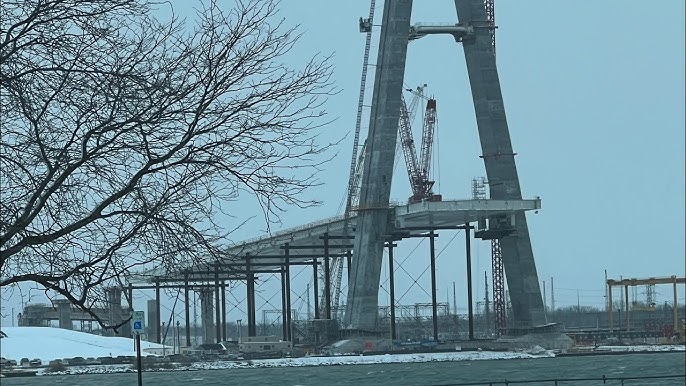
(317, 361)
(639, 348)
(47, 343)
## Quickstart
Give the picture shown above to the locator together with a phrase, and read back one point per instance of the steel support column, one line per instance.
(186, 309)
(250, 288)
(676, 308)
(315, 289)
(158, 317)
(287, 268)
(434, 305)
(470, 309)
(626, 301)
(327, 278)
(391, 284)
(217, 304)
(610, 310)
(223, 311)
(284, 324)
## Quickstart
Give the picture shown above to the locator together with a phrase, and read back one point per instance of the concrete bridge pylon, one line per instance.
(373, 213)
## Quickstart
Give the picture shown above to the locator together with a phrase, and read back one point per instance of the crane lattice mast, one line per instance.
(355, 175)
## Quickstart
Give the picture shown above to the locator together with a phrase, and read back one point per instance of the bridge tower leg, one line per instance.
(372, 219)
(498, 156)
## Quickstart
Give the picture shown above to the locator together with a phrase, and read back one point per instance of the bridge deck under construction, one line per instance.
(306, 242)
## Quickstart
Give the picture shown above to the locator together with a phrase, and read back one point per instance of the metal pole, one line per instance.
(283, 305)
(158, 318)
(626, 310)
(327, 277)
(470, 309)
(138, 359)
(609, 308)
(224, 311)
(434, 306)
(186, 302)
(676, 307)
(287, 260)
(217, 304)
(391, 281)
(315, 288)
(250, 277)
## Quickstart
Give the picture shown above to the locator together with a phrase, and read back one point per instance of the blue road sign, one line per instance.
(138, 322)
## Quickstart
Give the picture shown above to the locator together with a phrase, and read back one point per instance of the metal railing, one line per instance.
(561, 381)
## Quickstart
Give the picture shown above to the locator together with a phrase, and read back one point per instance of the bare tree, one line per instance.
(124, 135)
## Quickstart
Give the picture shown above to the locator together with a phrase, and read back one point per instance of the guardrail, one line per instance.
(556, 381)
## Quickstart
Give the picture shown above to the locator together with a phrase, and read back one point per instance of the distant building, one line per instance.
(264, 345)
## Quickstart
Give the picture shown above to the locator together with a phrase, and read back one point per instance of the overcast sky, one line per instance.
(594, 97)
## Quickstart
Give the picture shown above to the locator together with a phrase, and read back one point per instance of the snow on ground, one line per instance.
(649, 347)
(48, 343)
(319, 361)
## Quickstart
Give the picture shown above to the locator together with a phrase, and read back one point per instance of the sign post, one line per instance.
(138, 328)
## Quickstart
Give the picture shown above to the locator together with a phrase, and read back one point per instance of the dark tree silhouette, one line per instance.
(125, 134)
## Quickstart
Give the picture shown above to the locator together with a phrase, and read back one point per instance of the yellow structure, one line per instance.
(678, 327)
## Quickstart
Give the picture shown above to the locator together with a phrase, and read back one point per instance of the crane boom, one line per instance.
(407, 142)
(427, 144)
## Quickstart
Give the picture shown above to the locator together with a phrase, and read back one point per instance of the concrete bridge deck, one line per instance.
(404, 219)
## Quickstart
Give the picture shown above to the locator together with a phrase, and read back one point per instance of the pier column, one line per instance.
(153, 327)
(64, 313)
(206, 315)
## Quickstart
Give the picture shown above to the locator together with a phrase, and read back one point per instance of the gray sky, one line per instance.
(594, 96)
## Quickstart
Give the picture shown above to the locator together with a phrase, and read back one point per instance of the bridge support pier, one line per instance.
(114, 309)
(206, 315)
(64, 313)
(153, 328)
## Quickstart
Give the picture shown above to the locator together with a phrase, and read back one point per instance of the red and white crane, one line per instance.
(418, 168)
